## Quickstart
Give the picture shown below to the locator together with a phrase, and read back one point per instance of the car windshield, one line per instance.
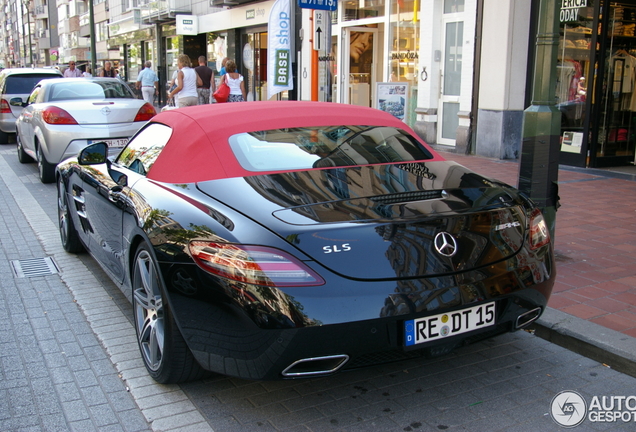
(24, 83)
(89, 90)
(314, 147)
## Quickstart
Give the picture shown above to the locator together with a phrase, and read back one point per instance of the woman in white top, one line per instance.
(235, 81)
(187, 82)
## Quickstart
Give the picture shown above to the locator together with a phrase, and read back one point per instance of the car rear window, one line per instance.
(89, 90)
(24, 83)
(317, 147)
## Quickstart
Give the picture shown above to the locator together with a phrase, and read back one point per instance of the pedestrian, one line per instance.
(236, 83)
(107, 71)
(223, 63)
(148, 83)
(71, 71)
(187, 82)
(87, 73)
(207, 78)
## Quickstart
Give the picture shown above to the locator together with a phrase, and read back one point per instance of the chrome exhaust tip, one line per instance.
(315, 366)
(527, 318)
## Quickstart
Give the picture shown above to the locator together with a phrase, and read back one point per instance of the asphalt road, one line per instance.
(505, 384)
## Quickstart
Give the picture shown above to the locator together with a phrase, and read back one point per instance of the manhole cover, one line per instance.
(34, 267)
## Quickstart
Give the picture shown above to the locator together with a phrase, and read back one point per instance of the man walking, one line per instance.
(207, 77)
(148, 83)
(71, 71)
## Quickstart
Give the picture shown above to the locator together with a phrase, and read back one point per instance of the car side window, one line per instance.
(34, 95)
(142, 151)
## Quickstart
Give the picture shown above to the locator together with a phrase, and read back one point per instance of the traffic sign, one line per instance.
(329, 5)
(322, 30)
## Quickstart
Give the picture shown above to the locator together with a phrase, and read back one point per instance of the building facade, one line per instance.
(457, 71)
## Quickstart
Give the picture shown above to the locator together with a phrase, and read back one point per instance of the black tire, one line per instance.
(46, 170)
(68, 234)
(22, 156)
(163, 349)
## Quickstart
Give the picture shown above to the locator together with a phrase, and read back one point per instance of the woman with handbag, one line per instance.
(235, 81)
(187, 82)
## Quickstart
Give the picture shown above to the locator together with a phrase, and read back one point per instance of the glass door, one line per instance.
(358, 65)
(254, 65)
(450, 76)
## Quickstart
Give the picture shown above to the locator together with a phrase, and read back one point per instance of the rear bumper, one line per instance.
(7, 125)
(266, 354)
(258, 332)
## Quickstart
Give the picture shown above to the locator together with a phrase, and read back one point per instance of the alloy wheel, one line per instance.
(62, 212)
(149, 312)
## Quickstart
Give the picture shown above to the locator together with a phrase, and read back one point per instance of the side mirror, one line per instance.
(17, 101)
(94, 154)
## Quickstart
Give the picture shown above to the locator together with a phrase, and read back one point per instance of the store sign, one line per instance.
(329, 5)
(570, 9)
(187, 25)
(279, 33)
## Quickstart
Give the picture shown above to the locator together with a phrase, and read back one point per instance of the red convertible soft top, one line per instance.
(198, 149)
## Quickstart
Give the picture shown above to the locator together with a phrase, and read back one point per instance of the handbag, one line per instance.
(222, 93)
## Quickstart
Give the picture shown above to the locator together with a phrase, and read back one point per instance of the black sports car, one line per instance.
(269, 240)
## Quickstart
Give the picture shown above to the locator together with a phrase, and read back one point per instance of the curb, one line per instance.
(609, 347)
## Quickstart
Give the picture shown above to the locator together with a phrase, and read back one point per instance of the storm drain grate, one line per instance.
(34, 267)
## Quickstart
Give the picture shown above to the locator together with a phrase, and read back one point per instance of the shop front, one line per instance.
(241, 34)
(373, 58)
(596, 83)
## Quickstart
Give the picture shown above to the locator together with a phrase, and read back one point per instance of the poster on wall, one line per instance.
(392, 97)
(572, 142)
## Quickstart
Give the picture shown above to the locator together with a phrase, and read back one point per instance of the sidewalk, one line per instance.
(595, 248)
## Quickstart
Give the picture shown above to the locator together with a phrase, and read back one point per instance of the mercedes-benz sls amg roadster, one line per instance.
(272, 240)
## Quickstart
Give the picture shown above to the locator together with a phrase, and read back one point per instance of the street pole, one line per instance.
(91, 21)
(23, 36)
(539, 162)
(29, 24)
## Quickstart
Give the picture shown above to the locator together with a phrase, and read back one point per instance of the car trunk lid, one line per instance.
(385, 222)
(102, 112)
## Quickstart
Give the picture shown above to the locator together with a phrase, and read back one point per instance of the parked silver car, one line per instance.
(18, 83)
(62, 116)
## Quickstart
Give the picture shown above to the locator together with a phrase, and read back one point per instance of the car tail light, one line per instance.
(539, 234)
(256, 265)
(4, 107)
(145, 113)
(55, 115)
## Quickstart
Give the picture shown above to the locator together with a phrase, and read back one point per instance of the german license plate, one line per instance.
(435, 327)
(115, 142)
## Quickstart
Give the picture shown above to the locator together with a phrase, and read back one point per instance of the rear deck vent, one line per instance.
(34, 267)
(406, 196)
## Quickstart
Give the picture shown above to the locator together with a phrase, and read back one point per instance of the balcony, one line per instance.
(85, 25)
(42, 38)
(164, 10)
(41, 11)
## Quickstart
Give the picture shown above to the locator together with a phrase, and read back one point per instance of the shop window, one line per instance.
(573, 73)
(404, 40)
(453, 6)
(360, 9)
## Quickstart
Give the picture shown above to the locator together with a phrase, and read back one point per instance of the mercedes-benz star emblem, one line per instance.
(445, 244)
(105, 110)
